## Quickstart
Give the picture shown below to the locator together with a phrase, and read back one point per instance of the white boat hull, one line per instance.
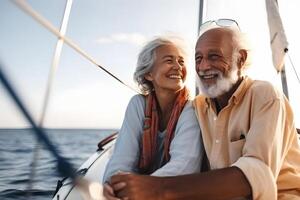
(92, 169)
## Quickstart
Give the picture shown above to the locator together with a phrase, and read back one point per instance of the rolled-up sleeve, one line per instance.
(259, 176)
(265, 147)
(186, 149)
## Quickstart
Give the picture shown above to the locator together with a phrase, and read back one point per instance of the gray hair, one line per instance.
(146, 59)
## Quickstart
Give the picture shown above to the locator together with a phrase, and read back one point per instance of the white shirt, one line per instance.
(186, 149)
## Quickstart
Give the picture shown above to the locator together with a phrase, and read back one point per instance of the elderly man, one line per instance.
(247, 129)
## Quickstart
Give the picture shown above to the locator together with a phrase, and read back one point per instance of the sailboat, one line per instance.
(94, 167)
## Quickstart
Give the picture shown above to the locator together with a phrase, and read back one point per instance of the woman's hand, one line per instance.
(136, 187)
(108, 192)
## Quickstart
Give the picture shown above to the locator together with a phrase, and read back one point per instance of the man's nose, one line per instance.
(203, 65)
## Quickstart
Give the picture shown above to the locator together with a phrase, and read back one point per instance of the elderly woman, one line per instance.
(160, 135)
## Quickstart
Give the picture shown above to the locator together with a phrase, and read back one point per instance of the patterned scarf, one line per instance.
(150, 134)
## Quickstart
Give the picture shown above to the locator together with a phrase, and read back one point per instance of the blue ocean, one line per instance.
(17, 158)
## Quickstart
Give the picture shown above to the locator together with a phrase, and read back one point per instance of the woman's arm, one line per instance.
(186, 149)
(126, 149)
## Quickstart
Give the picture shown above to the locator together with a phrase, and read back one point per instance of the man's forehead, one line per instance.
(216, 34)
(215, 40)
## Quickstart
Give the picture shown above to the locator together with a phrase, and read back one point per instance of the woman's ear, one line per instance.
(148, 76)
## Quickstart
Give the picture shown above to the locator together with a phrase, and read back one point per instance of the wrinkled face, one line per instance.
(168, 71)
(215, 65)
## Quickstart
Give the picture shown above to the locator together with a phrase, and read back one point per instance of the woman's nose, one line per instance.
(177, 65)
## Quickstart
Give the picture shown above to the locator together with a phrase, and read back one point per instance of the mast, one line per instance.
(200, 14)
(284, 82)
(201, 2)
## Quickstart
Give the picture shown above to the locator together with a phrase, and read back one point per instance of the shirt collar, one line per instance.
(241, 90)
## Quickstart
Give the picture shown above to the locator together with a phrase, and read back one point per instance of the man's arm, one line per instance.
(218, 184)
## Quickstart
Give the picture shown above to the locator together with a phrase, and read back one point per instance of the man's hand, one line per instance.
(136, 187)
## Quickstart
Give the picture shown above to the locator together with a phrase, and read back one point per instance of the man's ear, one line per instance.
(148, 76)
(243, 57)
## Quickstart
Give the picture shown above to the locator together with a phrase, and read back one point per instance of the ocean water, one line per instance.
(17, 155)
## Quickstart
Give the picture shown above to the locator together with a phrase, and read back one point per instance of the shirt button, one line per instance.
(215, 118)
(217, 141)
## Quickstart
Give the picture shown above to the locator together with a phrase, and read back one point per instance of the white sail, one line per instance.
(278, 40)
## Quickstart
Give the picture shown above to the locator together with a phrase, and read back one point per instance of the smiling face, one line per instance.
(168, 72)
(216, 65)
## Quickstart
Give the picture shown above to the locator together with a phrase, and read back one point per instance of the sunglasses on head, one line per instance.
(219, 22)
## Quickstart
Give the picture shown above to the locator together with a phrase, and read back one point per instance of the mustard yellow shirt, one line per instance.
(256, 133)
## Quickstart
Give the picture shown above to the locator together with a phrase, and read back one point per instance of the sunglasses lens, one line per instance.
(226, 22)
(205, 25)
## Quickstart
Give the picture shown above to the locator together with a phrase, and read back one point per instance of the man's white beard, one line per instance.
(223, 84)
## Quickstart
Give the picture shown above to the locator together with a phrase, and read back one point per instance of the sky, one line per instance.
(113, 32)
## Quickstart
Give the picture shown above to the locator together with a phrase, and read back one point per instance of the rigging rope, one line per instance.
(64, 167)
(54, 66)
(40, 19)
(293, 67)
(56, 58)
